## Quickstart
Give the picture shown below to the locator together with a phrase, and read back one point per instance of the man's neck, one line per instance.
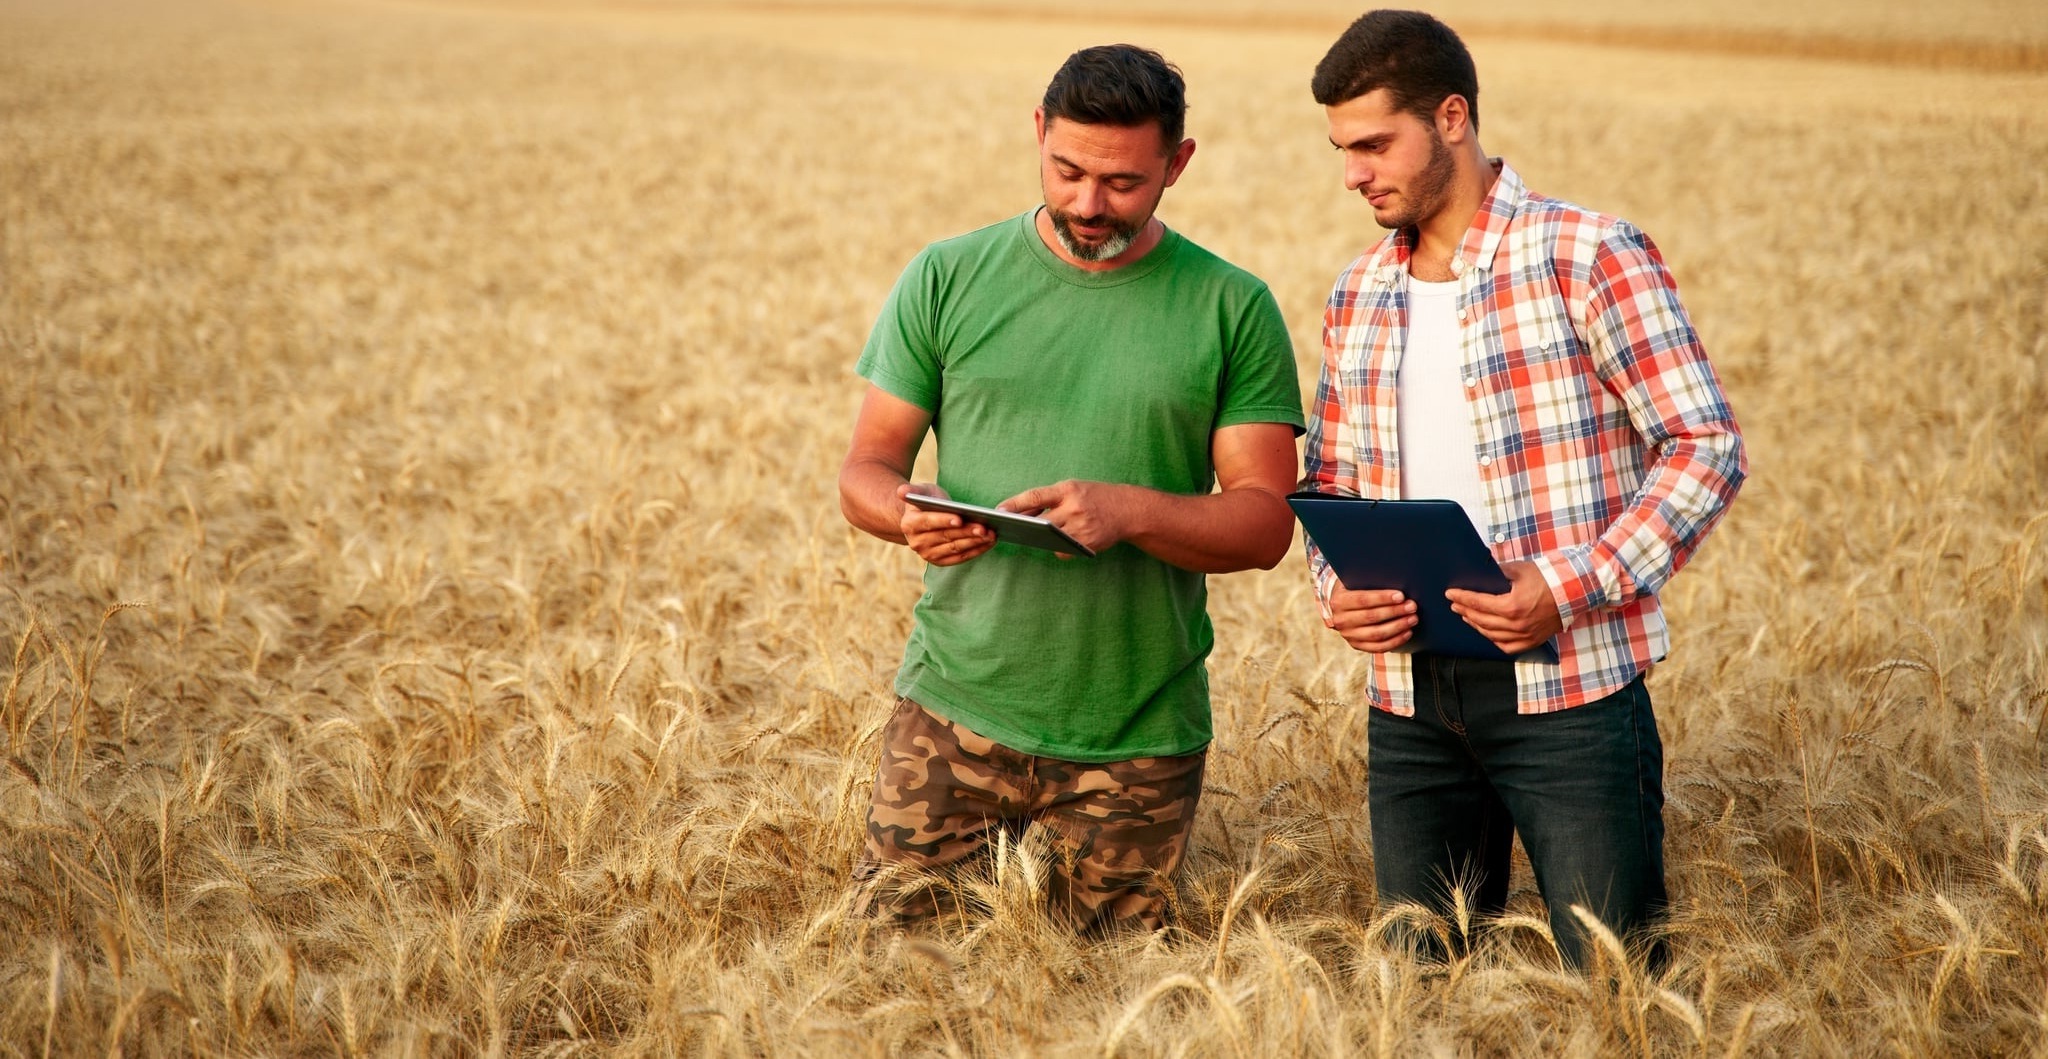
(1438, 236)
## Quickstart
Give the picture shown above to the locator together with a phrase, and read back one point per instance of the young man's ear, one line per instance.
(1038, 123)
(1454, 118)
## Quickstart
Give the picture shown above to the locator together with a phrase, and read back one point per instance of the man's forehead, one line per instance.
(1371, 114)
(1376, 104)
(1067, 135)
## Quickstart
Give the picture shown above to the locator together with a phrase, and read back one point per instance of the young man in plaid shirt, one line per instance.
(1531, 360)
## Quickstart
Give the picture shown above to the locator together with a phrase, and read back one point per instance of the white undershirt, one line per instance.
(1438, 445)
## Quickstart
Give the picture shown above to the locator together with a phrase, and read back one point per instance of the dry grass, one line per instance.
(1981, 35)
(428, 627)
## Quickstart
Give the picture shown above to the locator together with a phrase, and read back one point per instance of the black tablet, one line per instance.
(1011, 527)
(1421, 547)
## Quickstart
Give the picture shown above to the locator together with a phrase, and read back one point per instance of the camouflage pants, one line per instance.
(943, 793)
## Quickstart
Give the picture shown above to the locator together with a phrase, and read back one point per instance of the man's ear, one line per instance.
(1454, 118)
(1038, 123)
(1179, 162)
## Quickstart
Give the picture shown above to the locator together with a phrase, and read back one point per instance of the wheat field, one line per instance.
(427, 626)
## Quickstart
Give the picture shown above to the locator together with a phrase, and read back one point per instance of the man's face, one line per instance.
(1103, 182)
(1397, 161)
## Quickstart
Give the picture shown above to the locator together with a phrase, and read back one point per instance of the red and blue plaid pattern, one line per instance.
(1605, 444)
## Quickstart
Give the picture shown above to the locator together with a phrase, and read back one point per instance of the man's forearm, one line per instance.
(1688, 490)
(867, 496)
(1218, 533)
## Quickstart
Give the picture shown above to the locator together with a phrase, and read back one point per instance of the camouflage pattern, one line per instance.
(943, 793)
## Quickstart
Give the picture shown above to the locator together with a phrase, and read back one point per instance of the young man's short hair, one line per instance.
(1120, 84)
(1417, 59)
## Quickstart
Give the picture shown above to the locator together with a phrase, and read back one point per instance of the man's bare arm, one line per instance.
(1245, 524)
(876, 476)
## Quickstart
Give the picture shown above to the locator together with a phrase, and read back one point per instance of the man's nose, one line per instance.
(1357, 173)
(1088, 200)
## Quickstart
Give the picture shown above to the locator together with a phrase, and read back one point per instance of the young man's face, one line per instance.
(1396, 160)
(1103, 182)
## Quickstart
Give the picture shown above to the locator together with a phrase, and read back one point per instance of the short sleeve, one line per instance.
(1259, 384)
(902, 353)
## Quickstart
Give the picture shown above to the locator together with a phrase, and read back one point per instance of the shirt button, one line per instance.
(1500, 538)
(1471, 381)
(1485, 461)
(1461, 314)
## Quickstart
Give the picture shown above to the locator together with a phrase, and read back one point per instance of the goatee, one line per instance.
(1122, 234)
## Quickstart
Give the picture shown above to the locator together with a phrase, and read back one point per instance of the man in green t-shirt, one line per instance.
(1083, 363)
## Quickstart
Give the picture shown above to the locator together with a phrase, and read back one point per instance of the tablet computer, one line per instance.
(1421, 547)
(1011, 527)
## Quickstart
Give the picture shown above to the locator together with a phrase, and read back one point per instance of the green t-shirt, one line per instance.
(1036, 371)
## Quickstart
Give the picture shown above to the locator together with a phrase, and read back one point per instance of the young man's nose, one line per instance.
(1357, 173)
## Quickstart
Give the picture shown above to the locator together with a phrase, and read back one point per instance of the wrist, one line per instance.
(1562, 582)
(1129, 513)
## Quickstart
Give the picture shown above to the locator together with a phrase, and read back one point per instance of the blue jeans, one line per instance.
(1449, 788)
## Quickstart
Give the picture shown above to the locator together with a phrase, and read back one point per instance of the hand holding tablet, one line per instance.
(1010, 527)
(939, 538)
(1422, 548)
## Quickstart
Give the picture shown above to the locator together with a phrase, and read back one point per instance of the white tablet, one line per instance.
(1011, 527)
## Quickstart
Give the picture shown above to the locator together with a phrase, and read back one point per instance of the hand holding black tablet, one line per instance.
(1011, 527)
(1422, 548)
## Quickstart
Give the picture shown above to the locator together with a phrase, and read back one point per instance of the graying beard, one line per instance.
(1116, 244)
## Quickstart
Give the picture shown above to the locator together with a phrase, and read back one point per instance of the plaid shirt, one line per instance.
(1605, 445)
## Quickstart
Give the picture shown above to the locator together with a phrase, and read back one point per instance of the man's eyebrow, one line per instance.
(1071, 164)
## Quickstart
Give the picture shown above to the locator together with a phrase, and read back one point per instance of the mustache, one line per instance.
(1100, 220)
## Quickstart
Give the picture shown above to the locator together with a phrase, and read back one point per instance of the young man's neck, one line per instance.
(1438, 236)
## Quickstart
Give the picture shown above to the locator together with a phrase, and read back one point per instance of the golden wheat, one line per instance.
(428, 627)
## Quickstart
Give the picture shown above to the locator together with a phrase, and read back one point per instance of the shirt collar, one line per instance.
(1482, 239)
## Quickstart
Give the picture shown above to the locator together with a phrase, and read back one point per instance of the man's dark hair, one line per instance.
(1120, 84)
(1417, 59)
